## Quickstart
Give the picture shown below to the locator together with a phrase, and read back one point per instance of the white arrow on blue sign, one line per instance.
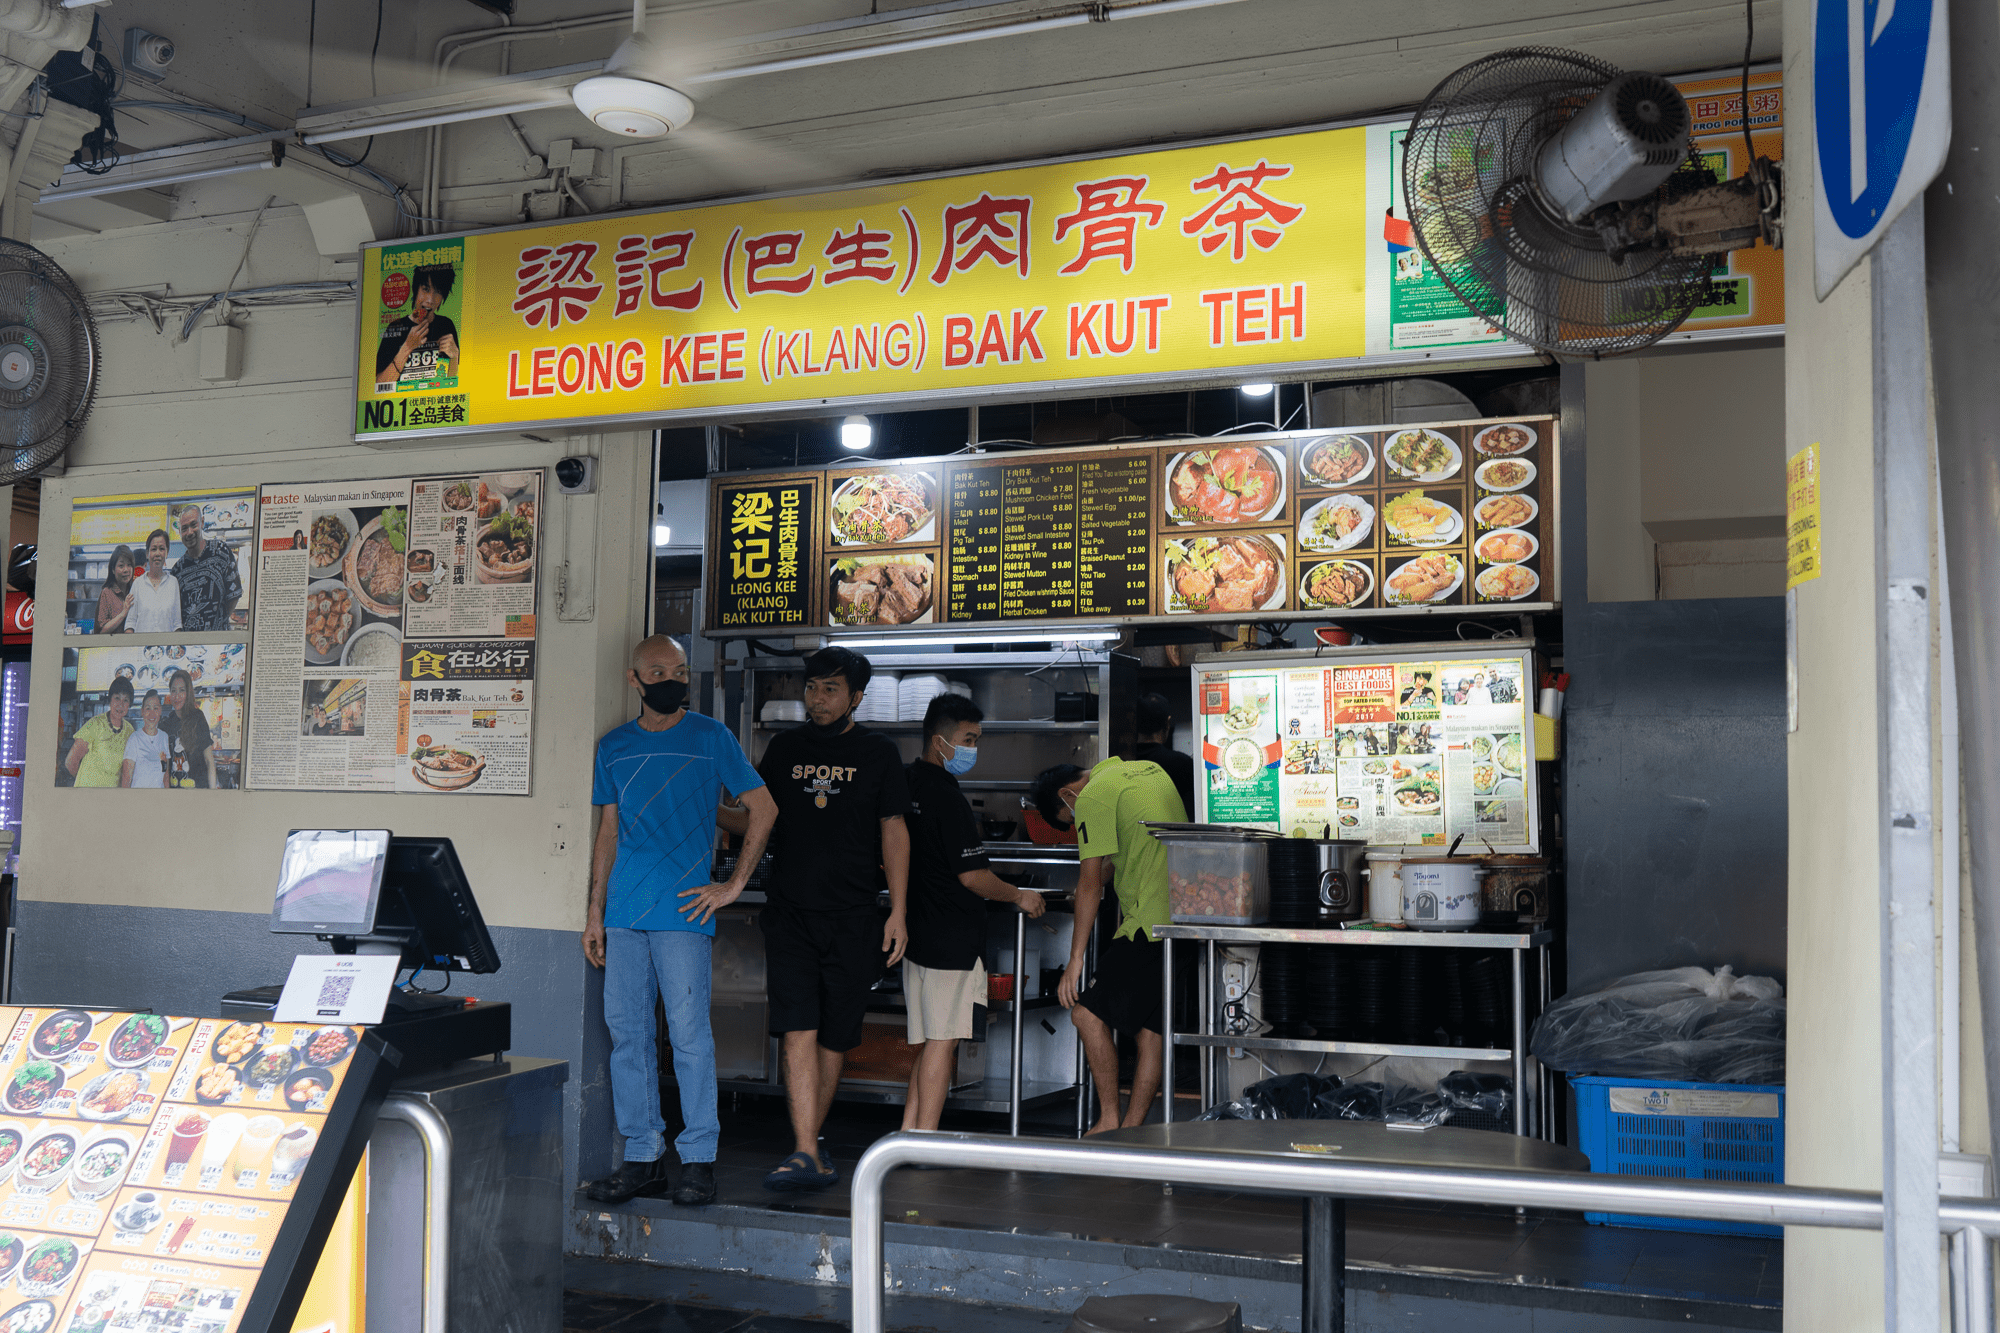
(1881, 121)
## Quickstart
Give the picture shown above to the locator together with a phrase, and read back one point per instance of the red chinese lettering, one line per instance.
(1241, 206)
(670, 252)
(850, 256)
(975, 231)
(555, 283)
(1108, 211)
(780, 249)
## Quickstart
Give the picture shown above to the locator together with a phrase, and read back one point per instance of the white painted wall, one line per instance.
(1685, 472)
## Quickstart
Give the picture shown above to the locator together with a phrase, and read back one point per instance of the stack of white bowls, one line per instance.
(878, 701)
(915, 692)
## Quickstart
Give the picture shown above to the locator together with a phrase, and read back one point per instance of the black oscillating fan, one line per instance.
(48, 362)
(1561, 200)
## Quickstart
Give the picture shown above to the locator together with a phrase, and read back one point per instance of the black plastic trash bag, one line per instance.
(1687, 1024)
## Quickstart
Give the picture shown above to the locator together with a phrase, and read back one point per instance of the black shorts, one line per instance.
(819, 968)
(1125, 993)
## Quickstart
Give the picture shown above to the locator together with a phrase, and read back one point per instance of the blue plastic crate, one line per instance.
(1665, 1130)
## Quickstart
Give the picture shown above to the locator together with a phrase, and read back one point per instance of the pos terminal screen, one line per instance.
(330, 881)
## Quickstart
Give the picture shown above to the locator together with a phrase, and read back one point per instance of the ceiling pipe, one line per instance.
(1070, 15)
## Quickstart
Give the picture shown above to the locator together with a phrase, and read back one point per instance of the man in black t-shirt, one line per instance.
(840, 840)
(1155, 734)
(423, 336)
(951, 881)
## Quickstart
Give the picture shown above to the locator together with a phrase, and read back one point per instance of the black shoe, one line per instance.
(632, 1180)
(697, 1185)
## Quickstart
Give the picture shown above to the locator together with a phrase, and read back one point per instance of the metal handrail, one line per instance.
(1970, 1223)
(434, 1132)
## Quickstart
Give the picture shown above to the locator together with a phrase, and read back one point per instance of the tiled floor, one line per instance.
(1554, 1249)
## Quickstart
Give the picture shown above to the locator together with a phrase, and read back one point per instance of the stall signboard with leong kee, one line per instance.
(1255, 258)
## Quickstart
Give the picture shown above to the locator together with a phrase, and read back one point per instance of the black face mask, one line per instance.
(665, 697)
(831, 729)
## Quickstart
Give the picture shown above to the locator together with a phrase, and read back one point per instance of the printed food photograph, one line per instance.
(1221, 574)
(1335, 583)
(1427, 579)
(1421, 455)
(1336, 460)
(884, 508)
(1502, 440)
(1417, 519)
(1241, 484)
(884, 590)
(1505, 511)
(1504, 474)
(1336, 524)
(446, 767)
(1506, 583)
(504, 544)
(1507, 546)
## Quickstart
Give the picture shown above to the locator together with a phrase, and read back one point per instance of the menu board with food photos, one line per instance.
(148, 1164)
(1406, 750)
(1281, 525)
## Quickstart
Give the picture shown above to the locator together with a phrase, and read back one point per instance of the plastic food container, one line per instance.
(1217, 875)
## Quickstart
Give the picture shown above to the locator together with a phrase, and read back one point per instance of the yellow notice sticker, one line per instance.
(1802, 562)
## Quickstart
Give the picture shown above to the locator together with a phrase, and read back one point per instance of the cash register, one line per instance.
(370, 891)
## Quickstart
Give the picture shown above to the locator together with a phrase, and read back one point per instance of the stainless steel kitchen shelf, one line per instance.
(1518, 946)
(1424, 939)
(1346, 1047)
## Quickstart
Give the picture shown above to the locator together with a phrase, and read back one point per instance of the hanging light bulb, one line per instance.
(1258, 390)
(856, 433)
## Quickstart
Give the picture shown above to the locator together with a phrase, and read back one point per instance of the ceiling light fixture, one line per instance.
(856, 433)
(631, 97)
(662, 534)
(1258, 390)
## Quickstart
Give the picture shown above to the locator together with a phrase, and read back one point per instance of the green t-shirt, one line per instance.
(1111, 818)
(104, 762)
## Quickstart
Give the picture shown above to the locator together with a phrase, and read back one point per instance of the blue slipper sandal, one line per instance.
(800, 1172)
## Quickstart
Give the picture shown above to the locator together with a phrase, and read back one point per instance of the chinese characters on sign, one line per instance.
(1802, 517)
(758, 557)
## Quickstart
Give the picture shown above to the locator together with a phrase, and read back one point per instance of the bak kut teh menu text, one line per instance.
(1398, 753)
(148, 1161)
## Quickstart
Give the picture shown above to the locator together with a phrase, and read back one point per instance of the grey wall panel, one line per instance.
(182, 961)
(1674, 754)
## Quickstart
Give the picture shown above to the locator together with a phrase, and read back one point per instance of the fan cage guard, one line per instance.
(43, 314)
(1484, 228)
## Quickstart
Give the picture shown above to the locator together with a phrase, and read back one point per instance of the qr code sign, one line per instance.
(333, 993)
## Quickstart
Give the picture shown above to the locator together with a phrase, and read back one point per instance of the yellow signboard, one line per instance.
(1225, 261)
(1802, 562)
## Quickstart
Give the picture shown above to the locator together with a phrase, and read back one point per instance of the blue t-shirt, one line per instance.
(665, 785)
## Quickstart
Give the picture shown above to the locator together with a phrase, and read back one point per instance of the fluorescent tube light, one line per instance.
(998, 638)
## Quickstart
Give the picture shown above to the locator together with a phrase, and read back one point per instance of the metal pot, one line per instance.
(1343, 895)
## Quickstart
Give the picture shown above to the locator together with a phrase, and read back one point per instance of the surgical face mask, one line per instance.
(831, 729)
(665, 697)
(963, 757)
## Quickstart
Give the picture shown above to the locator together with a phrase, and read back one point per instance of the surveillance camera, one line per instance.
(576, 476)
(148, 54)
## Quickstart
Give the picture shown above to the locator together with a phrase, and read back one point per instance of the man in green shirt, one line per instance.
(1110, 807)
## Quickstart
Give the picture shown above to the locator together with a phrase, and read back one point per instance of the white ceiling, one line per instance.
(1240, 67)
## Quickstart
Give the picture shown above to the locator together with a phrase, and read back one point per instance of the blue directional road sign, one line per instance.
(1881, 121)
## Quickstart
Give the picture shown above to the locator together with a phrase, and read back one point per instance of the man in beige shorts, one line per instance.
(951, 881)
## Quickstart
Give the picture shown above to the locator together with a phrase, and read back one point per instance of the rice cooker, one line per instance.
(1441, 893)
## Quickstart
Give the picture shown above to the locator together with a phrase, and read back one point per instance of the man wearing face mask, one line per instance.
(1110, 807)
(651, 916)
(841, 841)
(951, 881)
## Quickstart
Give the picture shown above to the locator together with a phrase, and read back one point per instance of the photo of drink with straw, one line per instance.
(253, 1154)
(219, 1151)
(188, 1131)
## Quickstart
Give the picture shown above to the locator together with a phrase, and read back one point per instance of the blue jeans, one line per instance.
(675, 965)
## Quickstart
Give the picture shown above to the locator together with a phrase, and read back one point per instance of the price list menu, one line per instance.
(973, 547)
(1037, 541)
(1050, 540)
(1113, 559)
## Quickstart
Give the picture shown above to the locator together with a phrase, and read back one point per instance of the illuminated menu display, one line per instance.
(1320, 524)
(1050, 540)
